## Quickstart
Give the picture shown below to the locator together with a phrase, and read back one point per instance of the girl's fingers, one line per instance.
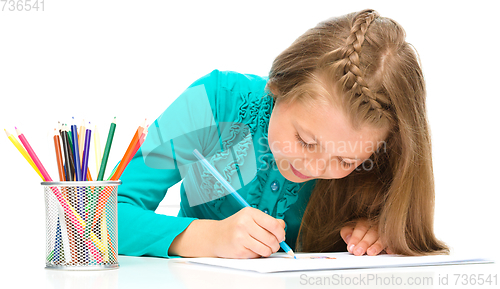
(375, 249)
(272, 225)
(346, 233)
(362, 226)
(368, 240)
(252, 249)
(265, 238)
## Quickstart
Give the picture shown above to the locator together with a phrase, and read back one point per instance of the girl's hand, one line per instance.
(363, 238)
(249, 233)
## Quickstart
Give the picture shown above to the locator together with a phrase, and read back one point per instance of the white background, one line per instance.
(95, 60)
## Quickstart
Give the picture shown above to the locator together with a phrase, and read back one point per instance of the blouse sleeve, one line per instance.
(153, 170)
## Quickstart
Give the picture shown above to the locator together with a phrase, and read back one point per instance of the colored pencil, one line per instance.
(57, 249)
(81, 143)
(97, 149)
(64, 156)
(128, 152)
(73, 215)
(104, 234)
(89, 176)
(105, 156)
(33, 155)
(76, 154)
(86, 152)
(233, 192)
(25, 154)
(64, 148)
(75, 218)
(103, 198)
(69, 145)
(57, 145)
(70, 253)
(70, 137)
(117, 176)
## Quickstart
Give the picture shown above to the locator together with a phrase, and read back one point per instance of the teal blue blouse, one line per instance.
(241, 101)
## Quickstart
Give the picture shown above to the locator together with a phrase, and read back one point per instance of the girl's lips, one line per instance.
(298, 174)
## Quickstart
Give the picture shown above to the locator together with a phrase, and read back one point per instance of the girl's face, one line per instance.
(318, 143)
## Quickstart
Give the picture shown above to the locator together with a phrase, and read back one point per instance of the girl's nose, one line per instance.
(316, 167)
(320, 167)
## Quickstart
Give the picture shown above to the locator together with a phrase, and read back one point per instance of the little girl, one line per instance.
(331, 150)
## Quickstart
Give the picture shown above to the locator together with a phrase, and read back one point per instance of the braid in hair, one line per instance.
(345, 63)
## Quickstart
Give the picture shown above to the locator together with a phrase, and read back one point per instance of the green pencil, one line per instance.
(105, 156)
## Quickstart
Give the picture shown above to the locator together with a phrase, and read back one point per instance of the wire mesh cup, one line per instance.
(81, 225)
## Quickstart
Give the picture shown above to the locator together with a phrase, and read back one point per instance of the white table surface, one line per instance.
(149, 272)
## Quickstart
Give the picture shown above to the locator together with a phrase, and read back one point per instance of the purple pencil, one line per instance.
(86, 152)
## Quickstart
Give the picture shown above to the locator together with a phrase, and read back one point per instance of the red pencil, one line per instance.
(33, 155)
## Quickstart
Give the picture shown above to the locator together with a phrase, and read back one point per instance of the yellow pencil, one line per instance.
(25, 154)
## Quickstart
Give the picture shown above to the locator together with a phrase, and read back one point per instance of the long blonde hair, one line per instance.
(363, 63)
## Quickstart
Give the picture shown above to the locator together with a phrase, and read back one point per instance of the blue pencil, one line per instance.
(237, 196)
(76, 154)
(86, 152)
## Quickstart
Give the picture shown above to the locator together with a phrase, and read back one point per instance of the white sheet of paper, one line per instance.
(280, 262)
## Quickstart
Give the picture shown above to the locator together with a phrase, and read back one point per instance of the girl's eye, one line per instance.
(344, 164)
(302, 142)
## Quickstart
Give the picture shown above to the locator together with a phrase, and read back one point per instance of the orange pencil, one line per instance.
(60, 166)
(128, 153)
(138, 145)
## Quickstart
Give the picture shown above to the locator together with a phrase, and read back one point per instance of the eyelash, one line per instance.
(304, 144)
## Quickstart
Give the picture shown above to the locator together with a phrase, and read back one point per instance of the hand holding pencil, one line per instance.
(263, 229)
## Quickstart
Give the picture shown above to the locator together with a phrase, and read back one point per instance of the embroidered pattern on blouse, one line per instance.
(254, 111)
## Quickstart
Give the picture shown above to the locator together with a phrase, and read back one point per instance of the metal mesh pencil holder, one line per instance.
(81, 225)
